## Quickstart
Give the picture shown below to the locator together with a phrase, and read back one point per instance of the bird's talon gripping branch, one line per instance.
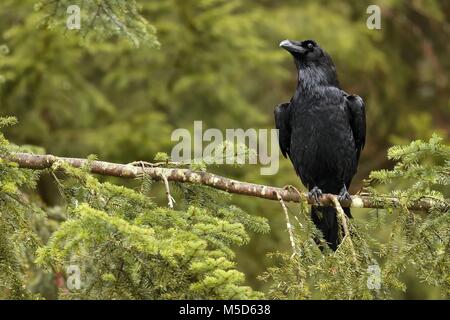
(315, 194)
(344, 195)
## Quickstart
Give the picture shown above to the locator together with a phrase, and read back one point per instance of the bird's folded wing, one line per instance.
(357, 118)
(283, 125)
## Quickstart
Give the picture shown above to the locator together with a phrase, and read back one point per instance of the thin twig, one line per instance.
(343, 220)
(159, 164)
(288, 225)
(170, 199)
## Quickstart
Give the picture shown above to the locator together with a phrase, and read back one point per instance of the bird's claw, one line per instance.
(344, 195)
(315, 194)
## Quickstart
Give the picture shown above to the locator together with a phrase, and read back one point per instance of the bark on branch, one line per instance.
(40, 162)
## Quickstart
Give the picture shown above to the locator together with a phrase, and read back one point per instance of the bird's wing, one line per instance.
(357, 118)
(283, 125)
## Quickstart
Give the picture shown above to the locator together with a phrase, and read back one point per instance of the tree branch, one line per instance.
(40, 162)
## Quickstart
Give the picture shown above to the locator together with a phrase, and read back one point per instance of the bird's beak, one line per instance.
(292, 47)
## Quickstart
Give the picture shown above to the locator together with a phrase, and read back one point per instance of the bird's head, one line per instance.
(308, 55)
(304, 51)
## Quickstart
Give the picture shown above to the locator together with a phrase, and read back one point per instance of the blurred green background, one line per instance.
(219, 62)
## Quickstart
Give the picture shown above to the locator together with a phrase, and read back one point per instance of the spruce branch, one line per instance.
(40, 162)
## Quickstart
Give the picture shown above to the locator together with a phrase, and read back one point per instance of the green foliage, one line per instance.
(420, 242)
(161, 156)
(144, 251)
(109, 19)
(125, 246)
(18, 238)
(421, 167)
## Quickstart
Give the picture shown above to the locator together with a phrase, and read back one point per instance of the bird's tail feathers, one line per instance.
(325, 219)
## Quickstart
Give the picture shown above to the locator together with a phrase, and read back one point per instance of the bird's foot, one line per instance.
(344, 195)
(315, 194)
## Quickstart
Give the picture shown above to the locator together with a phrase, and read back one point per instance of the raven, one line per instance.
(322, 130)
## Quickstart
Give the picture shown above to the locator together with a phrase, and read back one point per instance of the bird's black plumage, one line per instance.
(322, 130)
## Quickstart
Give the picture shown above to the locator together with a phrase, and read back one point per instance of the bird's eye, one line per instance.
(310, 45)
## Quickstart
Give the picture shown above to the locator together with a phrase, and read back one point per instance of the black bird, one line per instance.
(322, 130)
